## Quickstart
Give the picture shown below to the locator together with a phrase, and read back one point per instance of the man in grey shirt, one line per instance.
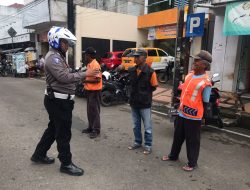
(59, 102)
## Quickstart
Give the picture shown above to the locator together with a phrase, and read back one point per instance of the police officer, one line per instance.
(59, 101)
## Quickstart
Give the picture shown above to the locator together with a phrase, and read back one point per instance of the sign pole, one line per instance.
(12, 43)
(178, 50)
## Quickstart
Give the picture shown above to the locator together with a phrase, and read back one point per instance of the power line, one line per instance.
(31, 5)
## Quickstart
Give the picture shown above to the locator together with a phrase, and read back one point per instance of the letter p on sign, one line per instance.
(195, 24)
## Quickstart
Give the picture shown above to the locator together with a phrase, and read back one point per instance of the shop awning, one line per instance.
(12, 50)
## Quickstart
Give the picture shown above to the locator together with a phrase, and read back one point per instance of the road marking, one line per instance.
(225, 130)
(160, 113)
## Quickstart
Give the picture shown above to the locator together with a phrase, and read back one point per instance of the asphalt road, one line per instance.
(224, 162)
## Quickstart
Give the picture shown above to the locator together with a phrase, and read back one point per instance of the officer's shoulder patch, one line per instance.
(56, 60)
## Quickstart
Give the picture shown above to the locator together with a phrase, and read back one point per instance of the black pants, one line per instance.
(189, 130)
(93, 109)
(59, 129)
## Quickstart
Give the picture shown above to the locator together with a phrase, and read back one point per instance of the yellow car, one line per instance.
(157, 58)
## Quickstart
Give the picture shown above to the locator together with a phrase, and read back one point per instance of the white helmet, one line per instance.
(56, 33)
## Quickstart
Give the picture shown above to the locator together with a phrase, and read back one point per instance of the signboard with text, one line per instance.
(237, 19)
(163, 32)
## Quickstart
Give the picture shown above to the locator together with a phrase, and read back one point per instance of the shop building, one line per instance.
(106, 31)
(231, 49)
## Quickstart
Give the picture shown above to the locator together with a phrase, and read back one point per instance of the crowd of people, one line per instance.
(59, 103)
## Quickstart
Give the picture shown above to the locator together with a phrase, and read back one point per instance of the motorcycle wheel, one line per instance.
(162, 78)
(220, 122)
(106, 99)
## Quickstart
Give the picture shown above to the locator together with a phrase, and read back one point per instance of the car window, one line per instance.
(162, 53)
(152, 52)
(105, 56)
(128, 53)
(109, 55)
(119, 55)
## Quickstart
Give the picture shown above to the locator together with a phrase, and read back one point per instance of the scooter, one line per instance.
(214, 100)
(115, 90)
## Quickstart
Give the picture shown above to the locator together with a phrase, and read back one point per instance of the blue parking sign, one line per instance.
(195, 24)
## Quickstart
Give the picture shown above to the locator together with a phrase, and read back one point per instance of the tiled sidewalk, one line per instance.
(163, 94)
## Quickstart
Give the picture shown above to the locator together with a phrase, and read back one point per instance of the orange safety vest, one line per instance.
(93, 86)
(191, 96)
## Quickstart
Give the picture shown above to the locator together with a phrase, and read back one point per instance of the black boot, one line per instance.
(42, 160)
(94, 135)
(88, 130)
(71, 169)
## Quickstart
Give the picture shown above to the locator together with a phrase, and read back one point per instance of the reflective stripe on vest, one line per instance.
(196, 90)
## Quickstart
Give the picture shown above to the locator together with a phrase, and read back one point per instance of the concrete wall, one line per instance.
(106, 25)
(225, 51)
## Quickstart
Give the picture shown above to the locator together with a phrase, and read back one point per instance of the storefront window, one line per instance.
(156, 5)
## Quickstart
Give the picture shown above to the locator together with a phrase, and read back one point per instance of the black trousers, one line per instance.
(189, 130)
(59, 129)
(93, 110)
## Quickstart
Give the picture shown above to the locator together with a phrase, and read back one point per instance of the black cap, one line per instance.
(203, 55)
(140, 52)
(90, 51)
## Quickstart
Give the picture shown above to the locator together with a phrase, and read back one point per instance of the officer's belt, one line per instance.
(61, 95)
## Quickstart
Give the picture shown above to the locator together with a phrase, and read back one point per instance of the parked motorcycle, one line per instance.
(214, 102)
(165, 75)
(3, 71)
(115, 90)
(214, 116)
(9, 69)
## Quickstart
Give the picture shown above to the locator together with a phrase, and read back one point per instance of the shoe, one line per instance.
(134, 146)
(88, 130)
(188, 168)
(167, 158)
(93, 135)
(42, 160)
(147, 150)
(71, 169)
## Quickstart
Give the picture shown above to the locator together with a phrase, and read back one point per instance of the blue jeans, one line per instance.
(145, 116)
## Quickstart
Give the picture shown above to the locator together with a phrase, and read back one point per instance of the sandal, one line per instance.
(166, 158)
(147, 150)
(188, 168)
(134, 146)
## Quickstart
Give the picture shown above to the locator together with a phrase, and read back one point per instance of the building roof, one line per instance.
(16, 6)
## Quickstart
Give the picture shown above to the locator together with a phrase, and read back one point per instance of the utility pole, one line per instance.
(187, 41)
(71, 27)
(178, 48)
